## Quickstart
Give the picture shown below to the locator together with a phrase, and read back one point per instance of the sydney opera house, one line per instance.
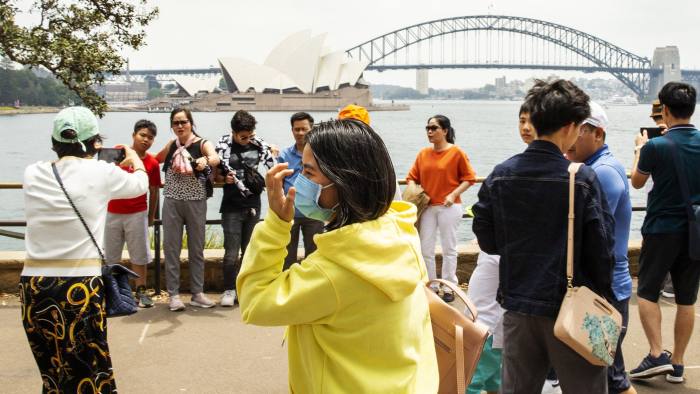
(300, 73)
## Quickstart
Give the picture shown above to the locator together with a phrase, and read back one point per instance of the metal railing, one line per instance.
(157, 224)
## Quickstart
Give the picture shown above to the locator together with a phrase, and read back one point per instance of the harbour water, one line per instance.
(485, 130)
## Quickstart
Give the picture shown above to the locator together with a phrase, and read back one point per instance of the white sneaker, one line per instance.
(201, 301)
(176, 304)
(551, 387)
(228, 298)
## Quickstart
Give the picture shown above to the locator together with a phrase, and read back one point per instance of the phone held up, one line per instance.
(112, 155)
(652, 132)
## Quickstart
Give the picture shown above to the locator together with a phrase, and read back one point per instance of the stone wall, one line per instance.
(11, 267)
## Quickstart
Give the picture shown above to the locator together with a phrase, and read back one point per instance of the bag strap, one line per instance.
(459, 344)
(682, 180)
(60, 183)
(573, 169)
(459, 293)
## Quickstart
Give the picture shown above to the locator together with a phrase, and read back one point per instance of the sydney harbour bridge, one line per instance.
(505, 42)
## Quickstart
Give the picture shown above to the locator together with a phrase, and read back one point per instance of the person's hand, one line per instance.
(280, 204)
(230, 178)
(132, 159)
(201, 163)
(449, 200)
(275, 150)
(640, 140)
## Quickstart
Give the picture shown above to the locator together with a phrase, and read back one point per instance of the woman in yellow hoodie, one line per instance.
(357, 313)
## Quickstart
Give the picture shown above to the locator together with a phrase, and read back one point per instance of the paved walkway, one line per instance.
(211, 351)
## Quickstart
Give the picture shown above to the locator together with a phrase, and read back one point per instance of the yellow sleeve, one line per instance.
(269, 296)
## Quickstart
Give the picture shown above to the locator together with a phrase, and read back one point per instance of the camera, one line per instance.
(112, 155)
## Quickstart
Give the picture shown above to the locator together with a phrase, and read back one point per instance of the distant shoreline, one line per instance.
(27, 110)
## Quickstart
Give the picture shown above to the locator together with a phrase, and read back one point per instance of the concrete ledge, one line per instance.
(11, 264)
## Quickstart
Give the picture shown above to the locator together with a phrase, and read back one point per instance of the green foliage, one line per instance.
(76, 40)
(29, 89)
(155, 93)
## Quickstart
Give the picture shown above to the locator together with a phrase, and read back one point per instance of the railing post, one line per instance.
(156, 246)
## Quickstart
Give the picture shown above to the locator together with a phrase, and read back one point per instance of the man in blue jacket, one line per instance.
(590, 149)
(522, 216)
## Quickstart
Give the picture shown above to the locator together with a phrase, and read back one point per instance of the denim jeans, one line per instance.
(617, 377)
(308, 228)
(238, 227)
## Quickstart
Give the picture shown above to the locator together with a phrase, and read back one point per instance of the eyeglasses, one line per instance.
(177, 123)
(431, 128)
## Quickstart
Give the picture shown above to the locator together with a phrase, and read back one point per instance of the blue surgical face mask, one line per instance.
(306, 199)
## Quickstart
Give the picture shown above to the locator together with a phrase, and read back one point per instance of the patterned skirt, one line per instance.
(66, 326)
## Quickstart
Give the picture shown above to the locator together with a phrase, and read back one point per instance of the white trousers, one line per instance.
(445, 219)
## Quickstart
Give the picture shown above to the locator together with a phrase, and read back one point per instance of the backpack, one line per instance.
(251, 177)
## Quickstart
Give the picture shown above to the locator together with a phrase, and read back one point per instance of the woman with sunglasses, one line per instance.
(188, 162)
(444, 172)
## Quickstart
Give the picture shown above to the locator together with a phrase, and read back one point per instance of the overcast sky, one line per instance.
(195, 33)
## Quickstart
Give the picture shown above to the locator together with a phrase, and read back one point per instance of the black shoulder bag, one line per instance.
(115, 277)
(251, 177)
(693, 210)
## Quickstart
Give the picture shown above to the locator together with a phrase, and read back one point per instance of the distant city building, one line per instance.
(121, 91)
(422, 81)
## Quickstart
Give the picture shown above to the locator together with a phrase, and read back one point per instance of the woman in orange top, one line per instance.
(444, 172)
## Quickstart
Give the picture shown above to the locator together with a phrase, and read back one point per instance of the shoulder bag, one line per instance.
(586, 323)
(415, 194)
(693, 210)
(115, 277)
(459, 339)
(251, 177)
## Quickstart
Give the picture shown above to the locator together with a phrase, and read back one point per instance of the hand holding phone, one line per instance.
(652, 132)
(112, 155)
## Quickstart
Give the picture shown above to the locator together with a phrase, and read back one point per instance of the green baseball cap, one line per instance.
(79, 119)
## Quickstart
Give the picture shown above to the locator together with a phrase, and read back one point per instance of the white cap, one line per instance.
(598, 117)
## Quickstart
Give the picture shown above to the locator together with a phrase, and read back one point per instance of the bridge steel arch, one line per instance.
(632, 70)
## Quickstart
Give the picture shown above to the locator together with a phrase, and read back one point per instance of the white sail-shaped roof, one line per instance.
(194, 85)
(280, 54)
(351, 71)
(300, 63)
(242, 75)
(329, 71)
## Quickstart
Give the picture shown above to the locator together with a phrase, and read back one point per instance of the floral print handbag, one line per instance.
(587, 323)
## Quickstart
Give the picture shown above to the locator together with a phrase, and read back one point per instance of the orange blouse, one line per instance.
(439, 173)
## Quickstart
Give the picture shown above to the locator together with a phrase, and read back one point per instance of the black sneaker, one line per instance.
(143, 298)
(677, 375)
(653, 366)
(448, 297)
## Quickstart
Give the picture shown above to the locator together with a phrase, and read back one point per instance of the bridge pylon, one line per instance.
(667, 60)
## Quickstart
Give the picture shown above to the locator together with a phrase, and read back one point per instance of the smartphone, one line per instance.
(112, 155)
(652, 132)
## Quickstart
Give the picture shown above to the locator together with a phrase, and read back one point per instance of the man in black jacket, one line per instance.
(522, 216)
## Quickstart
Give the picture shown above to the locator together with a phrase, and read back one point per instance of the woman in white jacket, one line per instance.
(61, 289)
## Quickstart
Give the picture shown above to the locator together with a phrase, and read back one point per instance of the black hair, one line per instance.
(353, 156)
(679, 98)
(74, 148)
(242, 120)
(188, 114)
(524, 108)
(301, 116)
(556, 104)
(444, 123)
(146, 124)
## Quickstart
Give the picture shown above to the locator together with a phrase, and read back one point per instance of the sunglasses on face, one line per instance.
(177, 123)
(431, 128)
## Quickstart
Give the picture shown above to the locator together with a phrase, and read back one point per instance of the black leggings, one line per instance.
(66, 326)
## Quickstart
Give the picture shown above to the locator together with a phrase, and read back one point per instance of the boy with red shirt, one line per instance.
(128, 219)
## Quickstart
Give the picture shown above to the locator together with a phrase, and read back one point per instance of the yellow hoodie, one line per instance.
(357, 313)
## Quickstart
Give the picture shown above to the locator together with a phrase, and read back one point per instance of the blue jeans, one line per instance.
(617, 377)
(238, 227)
